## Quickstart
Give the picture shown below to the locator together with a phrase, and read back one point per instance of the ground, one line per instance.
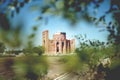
(55, 67)
(56, 70)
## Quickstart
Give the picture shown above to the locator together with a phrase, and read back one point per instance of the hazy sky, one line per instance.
(28, 16)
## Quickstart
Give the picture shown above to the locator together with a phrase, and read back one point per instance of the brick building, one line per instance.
(58, 45)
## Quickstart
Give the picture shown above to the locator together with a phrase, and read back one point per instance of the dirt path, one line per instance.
(55, 67)
(56, 71)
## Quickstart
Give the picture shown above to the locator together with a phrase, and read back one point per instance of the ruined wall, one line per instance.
(45, 40)
(59, 44)
(51, 47)
(72, 43)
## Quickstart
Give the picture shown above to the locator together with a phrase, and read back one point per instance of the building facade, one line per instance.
(58, 45)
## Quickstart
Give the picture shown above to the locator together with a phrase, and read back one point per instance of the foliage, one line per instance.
(30, 50)
(31, 67)
(94, 49)
(39, 50)
(6, 68)
(13, 52)
(73, 64)
(2, 47)
(23, 68)
(72, 10)
(92, 52)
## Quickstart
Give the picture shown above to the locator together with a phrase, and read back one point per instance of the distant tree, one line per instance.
(39, 50)
(16, 52)
(2, 47)
(27, 50)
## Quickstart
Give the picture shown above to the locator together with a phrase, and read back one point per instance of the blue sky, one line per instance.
(57, 23)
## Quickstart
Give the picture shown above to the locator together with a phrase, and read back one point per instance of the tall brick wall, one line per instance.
(45, 40)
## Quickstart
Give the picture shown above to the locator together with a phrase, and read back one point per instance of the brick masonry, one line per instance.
(58, 45)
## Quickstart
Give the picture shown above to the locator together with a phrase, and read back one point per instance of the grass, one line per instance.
(22, 68)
